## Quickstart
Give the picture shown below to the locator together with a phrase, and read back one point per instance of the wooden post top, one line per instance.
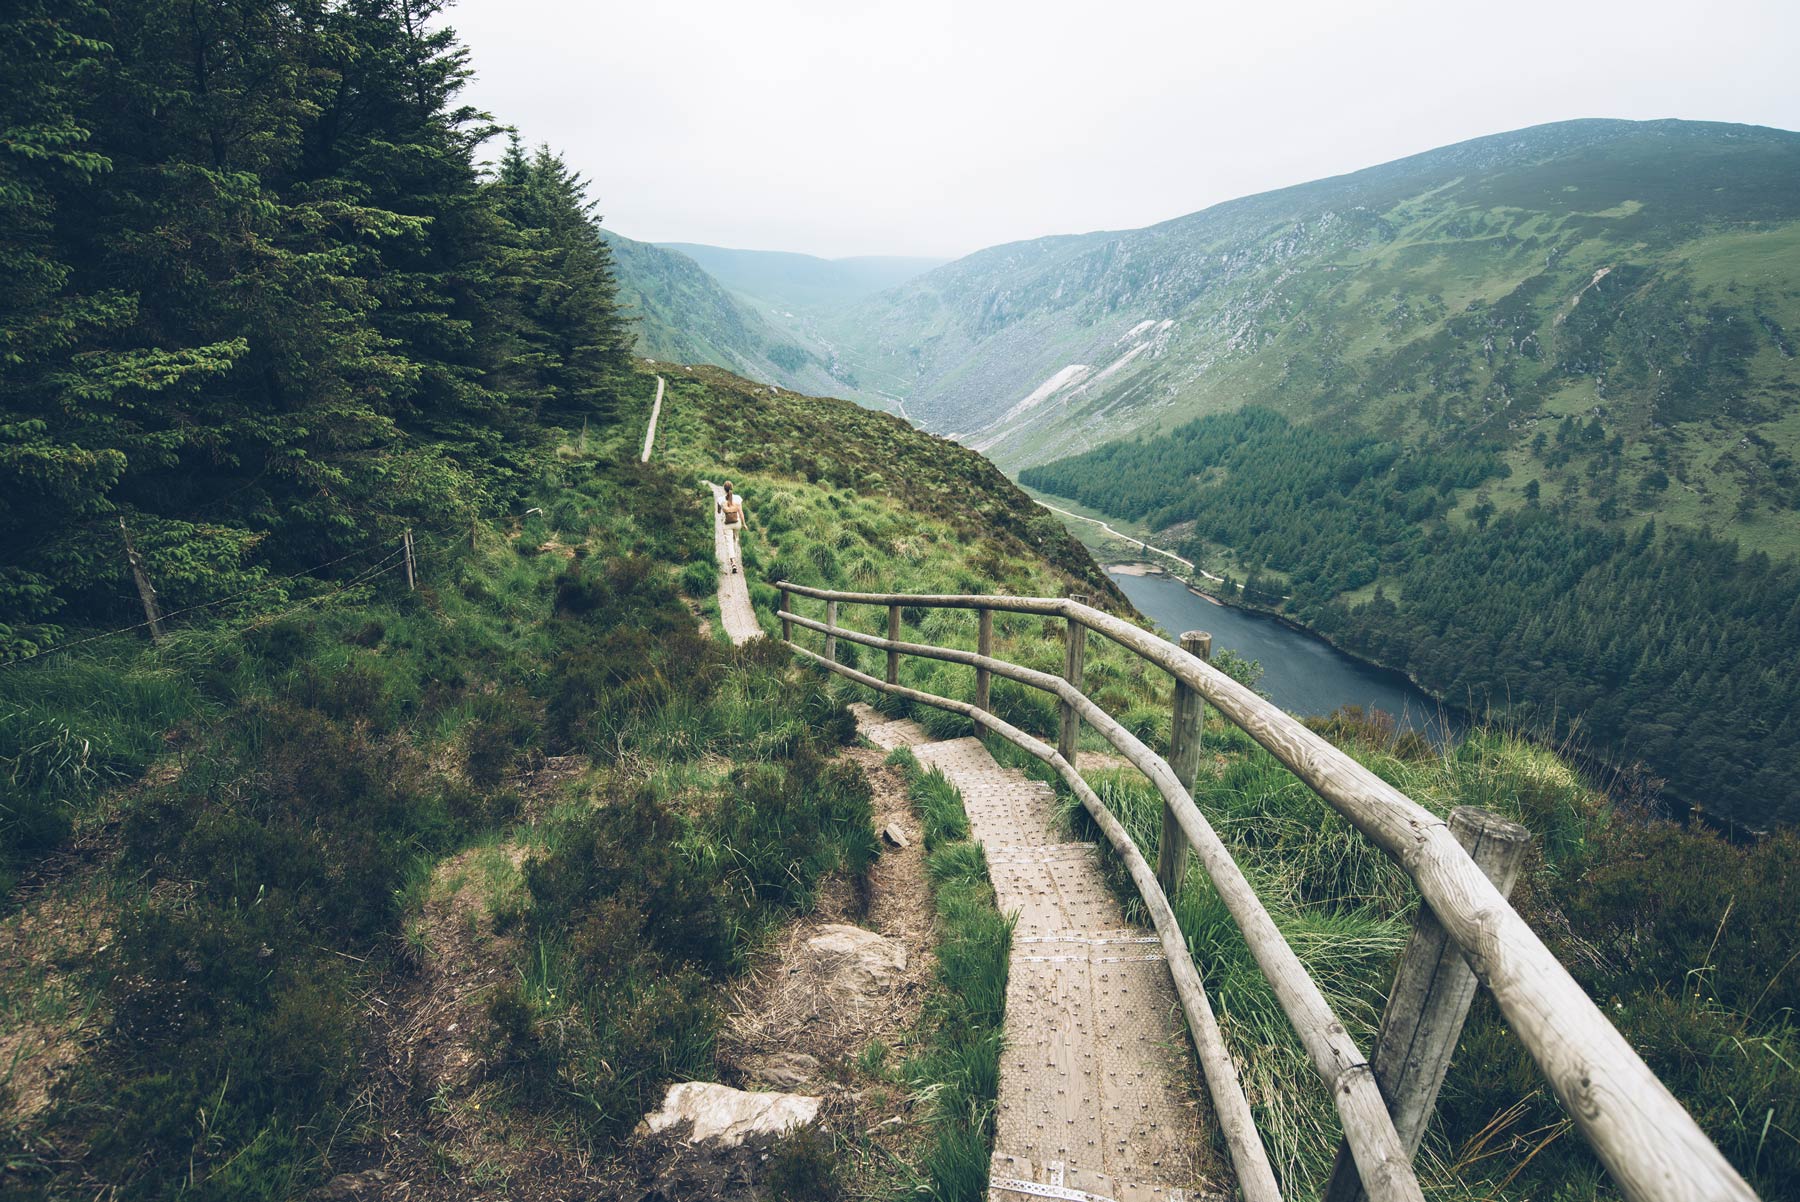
(1487, 824)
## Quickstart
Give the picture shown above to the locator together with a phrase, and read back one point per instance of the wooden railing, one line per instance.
(1466, 933)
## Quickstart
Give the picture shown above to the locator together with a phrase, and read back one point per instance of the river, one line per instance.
(1302, 674)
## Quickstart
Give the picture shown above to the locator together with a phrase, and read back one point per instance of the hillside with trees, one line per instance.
(1641, 274)
(261, 306)
(436, 827)
(681, 313)
(1658, 645)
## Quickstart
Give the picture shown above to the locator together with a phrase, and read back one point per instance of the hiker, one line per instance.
(732, 508)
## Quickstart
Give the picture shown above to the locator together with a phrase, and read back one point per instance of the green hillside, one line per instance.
(1474, 379)
(436, 827)
(1640, 273)
(681, 314)
(802, 284)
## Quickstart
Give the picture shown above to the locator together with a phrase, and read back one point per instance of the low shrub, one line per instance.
(231, 1024)
(700, 578)
(639, 907)
(504, 725)
(785, 826)
(802, 1167)
(620, 887)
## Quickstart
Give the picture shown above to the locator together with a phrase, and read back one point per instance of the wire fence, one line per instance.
(396, 556)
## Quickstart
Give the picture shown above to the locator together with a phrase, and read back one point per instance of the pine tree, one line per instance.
(49, 483)
(572, 340)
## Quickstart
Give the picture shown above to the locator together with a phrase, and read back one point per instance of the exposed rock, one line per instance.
(725, 1117)
(895, 835)
(783, 1070)
(344, 1186)
(854, 963)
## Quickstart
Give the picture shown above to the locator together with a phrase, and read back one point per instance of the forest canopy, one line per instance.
(1667, 647)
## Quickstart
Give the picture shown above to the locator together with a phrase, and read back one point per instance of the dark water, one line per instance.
(1302, 674)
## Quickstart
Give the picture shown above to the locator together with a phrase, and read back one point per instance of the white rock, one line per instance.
(856, 961)
(726, 1117)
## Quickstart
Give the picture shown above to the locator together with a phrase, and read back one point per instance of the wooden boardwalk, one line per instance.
(735, 611)
(1099, 1096)
(655, 413)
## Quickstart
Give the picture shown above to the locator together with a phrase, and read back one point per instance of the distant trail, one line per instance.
(1188, 563)
(734, 591)
(655, 412)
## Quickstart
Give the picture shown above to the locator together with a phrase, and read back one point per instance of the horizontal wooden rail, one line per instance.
(1647, 1140)
(1381, 1160)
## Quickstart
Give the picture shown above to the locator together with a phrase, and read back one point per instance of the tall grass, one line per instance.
(72, 728)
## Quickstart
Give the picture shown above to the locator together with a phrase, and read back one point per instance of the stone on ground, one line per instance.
(856, 963)
(783, 1070)
(723, 1117)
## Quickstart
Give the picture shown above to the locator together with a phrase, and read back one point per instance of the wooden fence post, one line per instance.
(781, 606)
(1430, 999)
(407, 536)
(146, 592)
(893, 664)
(831, 639)
(984, 645)
(1074, 657)
(1189, 720)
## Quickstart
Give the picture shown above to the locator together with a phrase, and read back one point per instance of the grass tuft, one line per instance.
(958, 1073)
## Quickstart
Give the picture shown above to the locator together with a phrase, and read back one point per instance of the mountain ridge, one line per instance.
(682, 314)
(967, 341)
(769, 278)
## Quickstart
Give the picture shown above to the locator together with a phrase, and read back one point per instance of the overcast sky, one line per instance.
(836, 127)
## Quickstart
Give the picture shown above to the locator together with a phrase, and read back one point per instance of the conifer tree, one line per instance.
(256, 298)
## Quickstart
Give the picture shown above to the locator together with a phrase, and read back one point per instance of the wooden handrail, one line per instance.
(1382, 1162)
(1640, 1131)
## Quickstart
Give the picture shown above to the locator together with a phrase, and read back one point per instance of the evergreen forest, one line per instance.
(1666, 647)
(259, 305)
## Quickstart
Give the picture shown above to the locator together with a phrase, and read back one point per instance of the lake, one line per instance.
(1302, 674)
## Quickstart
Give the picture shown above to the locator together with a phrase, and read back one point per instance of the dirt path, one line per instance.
(734, 592)
(1187, 563)
(1098, 1092)
(787, 1033)
(801, 1020)
(442, 1132)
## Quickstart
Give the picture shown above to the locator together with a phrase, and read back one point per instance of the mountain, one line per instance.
(1519, 417)
(802, 283)
(1645, 273)
(683, 315)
